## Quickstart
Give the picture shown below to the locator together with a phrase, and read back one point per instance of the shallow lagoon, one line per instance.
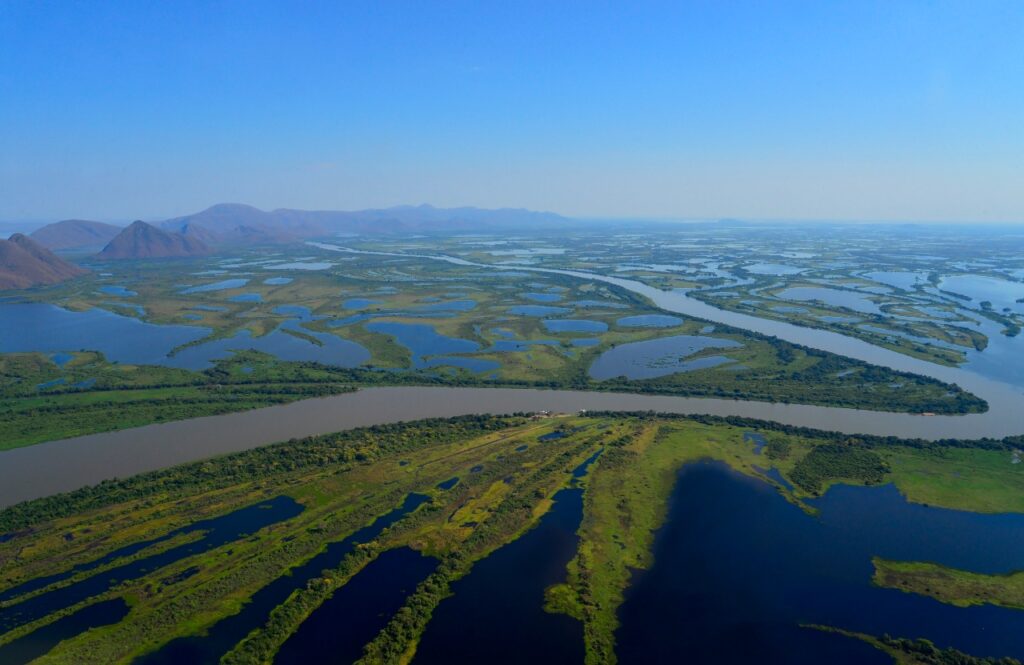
(48, 328)
(1000, 292)
(359, 303)
(777, 269)
(246, 297)
(542, 297)
(898, 279)
(834, 297)
(574, 325)
(423, 340)
(117, 291)
(649, 321)
(222, 285)
(331, 350)
(708, 595)
(658, 357)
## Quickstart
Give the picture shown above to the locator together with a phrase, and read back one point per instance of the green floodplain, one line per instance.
(187, 563)
(487, 328)
(485, 482)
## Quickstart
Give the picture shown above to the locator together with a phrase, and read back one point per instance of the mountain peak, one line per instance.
(25, 263)
(75, 234)
(145, 241)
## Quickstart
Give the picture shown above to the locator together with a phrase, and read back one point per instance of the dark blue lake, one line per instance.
(337, 630)
(39, 642)
(658, 357)
(225, 634)
(448, 484)
(738, 569)
(219, 531)
(496, 614)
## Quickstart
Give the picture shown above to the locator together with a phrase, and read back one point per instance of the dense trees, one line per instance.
(835, 461)
(926, 653)
(358, 446)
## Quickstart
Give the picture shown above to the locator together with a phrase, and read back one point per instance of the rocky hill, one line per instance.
(25, 263)
(75, 234)
(145, 241)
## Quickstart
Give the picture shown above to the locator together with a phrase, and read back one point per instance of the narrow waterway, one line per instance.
(222, 636)
(58, 466)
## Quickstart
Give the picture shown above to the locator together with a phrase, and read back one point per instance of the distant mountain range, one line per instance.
(25, 263)
(235, 224)
(145, 241)
(75, 234)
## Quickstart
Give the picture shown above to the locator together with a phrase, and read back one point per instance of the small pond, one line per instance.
(649, 321)
(542, 297)
(659, 357)
(574, 325)
(117, 291)
(222, 285)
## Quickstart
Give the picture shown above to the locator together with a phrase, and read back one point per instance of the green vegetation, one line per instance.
(507, 477)
(919, 651)
(628, 488)
(923, 652)
(948, 585)
(123, 396)
(835, 462)
(41, 400)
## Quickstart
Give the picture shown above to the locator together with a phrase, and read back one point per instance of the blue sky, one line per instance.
(817, 110)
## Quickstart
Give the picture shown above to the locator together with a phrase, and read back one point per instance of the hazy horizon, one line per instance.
(873, 111)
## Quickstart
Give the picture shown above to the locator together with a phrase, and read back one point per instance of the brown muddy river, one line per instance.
(59, 466)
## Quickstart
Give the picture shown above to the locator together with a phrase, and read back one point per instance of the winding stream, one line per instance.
(58, 466)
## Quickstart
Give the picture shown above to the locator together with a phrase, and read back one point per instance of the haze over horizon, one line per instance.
(873, 111)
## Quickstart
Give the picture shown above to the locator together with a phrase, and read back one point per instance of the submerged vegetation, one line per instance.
(484, 482)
